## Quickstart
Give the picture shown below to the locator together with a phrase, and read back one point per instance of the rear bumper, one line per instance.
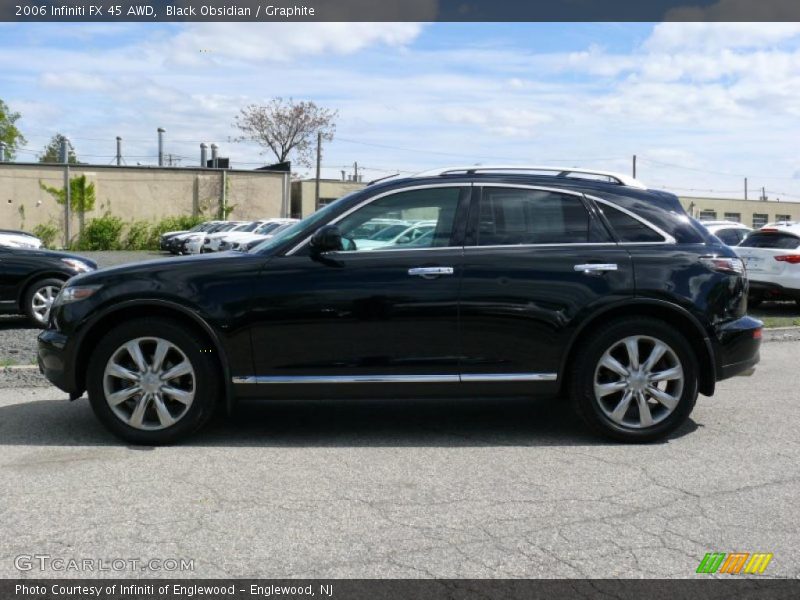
(737, 347)
(773, 290)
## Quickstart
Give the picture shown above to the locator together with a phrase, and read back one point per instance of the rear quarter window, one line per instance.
(629, 229)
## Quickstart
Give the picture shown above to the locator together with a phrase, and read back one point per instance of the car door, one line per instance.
(536, 261)
(388, 314)
(15, 267)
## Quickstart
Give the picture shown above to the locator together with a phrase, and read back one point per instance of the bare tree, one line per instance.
(285, 126)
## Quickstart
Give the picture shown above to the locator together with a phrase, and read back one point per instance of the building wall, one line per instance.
(329, 190)
(748, 210)
(136, 193)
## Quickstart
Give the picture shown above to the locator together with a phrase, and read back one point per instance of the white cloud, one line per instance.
(507, 122)
(278, 42)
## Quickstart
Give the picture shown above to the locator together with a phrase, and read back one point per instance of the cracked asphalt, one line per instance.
(467, 489)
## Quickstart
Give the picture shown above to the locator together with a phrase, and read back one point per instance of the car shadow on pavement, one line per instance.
(334, 423)
(14, 322)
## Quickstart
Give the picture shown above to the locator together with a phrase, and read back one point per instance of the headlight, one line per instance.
(71, 294)
(78, 265)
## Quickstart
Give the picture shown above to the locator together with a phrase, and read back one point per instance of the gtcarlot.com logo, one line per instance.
(735, 563)
(46, 562)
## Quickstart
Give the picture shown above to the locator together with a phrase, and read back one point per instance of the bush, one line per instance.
(139, 237)
(181, 223)
(47, 233)
(102, 233)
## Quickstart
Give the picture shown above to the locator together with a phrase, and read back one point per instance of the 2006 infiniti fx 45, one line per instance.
(532, 282)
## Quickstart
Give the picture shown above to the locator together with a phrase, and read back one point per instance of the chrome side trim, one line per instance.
(262, 379)
(323, 379)
(474, 377)
(372, 199)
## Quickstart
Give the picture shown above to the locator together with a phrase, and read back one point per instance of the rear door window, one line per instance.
(518, 216)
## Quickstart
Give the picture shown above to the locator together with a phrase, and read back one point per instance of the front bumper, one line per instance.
(55, 361)
(737, 347)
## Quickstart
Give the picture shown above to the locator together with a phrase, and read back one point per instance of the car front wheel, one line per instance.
(635, 380)
(39, 298)
(152, 382)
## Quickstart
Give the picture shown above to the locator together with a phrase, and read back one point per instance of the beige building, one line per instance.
(753, 213)
(303, 193)
(140, 193)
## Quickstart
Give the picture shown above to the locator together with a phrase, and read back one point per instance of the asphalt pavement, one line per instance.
(462, 489)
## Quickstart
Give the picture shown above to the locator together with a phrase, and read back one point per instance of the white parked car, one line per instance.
(18, 239)
(266, 226)
(193, 243)
(772, 257)
(729, 232)
(396, 235)
(212, 240)
(243, 244)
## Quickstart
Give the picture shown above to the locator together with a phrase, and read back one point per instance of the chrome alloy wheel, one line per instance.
(42, 300)
(149, 383)
(638, 382)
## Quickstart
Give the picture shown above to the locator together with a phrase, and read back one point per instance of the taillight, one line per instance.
(792, 259)
(723, 264)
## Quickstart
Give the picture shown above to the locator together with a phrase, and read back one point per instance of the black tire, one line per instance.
(206, 386)
(586, 365)
(30, 296)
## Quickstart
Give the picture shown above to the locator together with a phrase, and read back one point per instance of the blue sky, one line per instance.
(701, 104)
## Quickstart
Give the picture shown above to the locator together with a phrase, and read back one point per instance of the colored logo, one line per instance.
(734, 563)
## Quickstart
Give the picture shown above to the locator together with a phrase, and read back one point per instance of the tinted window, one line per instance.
(510, 216)
(629, 229)
(408, 216)
(781, 241)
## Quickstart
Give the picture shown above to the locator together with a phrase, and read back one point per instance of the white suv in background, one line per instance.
(730, 233)
(772, 257)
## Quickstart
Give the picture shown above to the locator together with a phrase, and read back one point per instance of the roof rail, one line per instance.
(617, 178)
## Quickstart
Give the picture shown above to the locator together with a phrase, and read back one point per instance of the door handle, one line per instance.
(596, 267)
(430, 272)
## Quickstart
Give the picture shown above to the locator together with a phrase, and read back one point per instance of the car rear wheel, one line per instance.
(635, 380)
(39, 298)
(152, 382)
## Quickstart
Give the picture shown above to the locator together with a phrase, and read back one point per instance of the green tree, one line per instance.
(9, 133)
(52, 151)
(82, 196)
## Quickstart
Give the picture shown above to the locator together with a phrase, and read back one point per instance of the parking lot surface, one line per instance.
(409, 488)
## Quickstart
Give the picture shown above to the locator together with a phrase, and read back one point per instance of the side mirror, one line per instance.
(326, 239)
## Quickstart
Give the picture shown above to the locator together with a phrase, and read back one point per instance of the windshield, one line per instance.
(296, 229)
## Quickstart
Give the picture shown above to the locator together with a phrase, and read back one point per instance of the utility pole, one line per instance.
(67, 190)
(355, 171)
(634, 166)
(119, 151)
(319, 162)
(745, 188)
(161, 131)
(763, 194)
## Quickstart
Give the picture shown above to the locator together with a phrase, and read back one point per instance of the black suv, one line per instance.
(530, 282)
(31, 278)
